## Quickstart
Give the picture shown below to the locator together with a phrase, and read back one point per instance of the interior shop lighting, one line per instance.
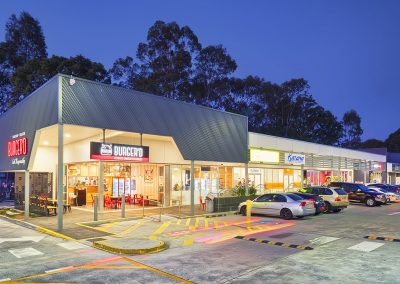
(45, 143)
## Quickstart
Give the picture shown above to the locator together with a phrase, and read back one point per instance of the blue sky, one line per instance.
(347, 50)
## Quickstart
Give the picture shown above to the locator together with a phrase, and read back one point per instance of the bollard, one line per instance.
(248, 210)
(143, 205)
(95, 207)
(122, 205)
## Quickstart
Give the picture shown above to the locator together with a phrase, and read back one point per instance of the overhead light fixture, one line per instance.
(45, 143)
(67, 135)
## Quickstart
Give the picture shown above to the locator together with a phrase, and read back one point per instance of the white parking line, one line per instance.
(395, 213)
(72, 245)
(5, 279)
(366, 246)
(323, 240)
(25, 252)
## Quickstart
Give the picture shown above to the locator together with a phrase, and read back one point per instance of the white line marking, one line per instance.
(22, 239)
(395, 213)
(58, 269)
(5, 279)
(25, 252)
(323, 240)
(366, 246)
(72, 245)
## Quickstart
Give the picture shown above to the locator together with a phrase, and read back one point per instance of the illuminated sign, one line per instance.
(295, 159)
(17, 147)
(263, 156)
(118, 152)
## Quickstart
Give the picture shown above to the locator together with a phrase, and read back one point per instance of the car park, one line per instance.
(358, 192)
(390, 196)
(387, 188)
(319, 203)
(285, 205)
(336, 199)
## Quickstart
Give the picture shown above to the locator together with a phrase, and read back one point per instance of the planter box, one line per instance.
(225, 204)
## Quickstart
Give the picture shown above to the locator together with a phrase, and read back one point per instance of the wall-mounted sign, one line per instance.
(17, 148)
(295, 159)
(263, 156)
(254, 171)
(118, 152)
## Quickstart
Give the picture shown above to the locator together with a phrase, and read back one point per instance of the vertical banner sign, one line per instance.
(17, 149)
(118, 152)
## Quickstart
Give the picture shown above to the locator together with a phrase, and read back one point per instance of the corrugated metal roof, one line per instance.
(36, 111)
(200, 133)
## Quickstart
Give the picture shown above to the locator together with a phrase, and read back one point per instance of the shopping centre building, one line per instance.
(113, 141)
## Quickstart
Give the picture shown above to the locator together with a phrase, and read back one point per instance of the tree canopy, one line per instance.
(172, 62)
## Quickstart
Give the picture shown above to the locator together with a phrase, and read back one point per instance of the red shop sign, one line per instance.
(18, 147)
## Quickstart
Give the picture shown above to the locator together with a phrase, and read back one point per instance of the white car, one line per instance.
(285, 205)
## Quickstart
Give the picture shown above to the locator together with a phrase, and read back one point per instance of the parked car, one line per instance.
(360, 193)
(335, 199)
(390, 196)
(319, 203)
(285, 205)
(387, 187)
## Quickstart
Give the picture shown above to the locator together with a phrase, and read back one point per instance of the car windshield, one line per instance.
(295, 197)
(340, 191)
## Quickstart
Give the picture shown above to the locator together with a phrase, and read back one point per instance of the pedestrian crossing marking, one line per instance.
(72, 245)
(25, 252)
(162, 228)
(323, 240)
(366, 246)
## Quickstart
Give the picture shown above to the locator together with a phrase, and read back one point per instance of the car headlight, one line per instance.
(380, 196)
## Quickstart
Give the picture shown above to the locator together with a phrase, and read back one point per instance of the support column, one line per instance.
(192, 188)
(365, 171)
(246, 174)
(302, 177)
(101, 179)
(60, 176)
(26, 194)
(101, 187)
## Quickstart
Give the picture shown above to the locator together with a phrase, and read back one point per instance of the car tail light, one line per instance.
(303, 203)
(396, 189)
(310, 199)
(338, 199)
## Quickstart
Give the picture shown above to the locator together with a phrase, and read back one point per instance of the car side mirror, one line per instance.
(359, 190)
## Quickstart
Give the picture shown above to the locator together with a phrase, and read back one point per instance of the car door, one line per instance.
(358, 194)
(260, 203)
(277, 203)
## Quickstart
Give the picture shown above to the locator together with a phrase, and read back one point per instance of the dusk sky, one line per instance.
(349, 51)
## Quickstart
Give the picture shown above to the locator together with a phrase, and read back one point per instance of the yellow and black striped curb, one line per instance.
(274, 243)
(103, 246)
(383, 239)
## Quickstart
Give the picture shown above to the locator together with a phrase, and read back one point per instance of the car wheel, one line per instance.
(300, 217)
(370, 202)
(328, 207)
(337, 210)
(243, 210)
(286, 214)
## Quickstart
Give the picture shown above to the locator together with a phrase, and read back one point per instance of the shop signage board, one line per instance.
(263, 156)
(295, 159)
(118, 152)
(17, 149)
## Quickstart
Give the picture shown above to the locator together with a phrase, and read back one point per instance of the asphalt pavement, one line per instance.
(208, 250)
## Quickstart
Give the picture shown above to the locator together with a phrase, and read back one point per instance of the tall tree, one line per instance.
(35, 73)
(24, 41)
(352, 130)
(211, 82)
(393, 142)
(165, 62)
(372, 143)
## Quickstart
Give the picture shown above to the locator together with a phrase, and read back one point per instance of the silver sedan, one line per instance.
(285, 205)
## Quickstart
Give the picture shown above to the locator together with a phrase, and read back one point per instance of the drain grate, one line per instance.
(96, 239)
(281, 236)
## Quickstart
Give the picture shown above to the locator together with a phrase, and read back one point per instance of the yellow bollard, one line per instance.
(248, 210)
